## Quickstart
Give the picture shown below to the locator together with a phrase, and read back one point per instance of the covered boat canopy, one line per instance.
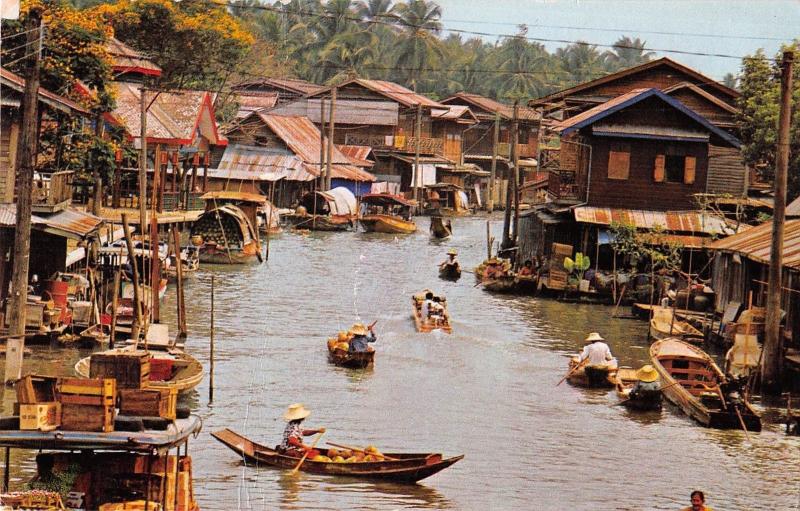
(385, 199)
(339, 201)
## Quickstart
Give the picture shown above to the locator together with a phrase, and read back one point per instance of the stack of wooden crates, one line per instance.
(87, 404)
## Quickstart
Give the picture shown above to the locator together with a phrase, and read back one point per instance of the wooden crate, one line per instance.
(33, 388)
(87, 418)
(149, 402)
(40, 416)
(131, 369)
(87, 391)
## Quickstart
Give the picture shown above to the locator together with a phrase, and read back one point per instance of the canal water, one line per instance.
(487, 391)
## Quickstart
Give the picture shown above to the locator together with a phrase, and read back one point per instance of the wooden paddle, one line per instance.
(570, 373)
(356, 449)
(294, 471)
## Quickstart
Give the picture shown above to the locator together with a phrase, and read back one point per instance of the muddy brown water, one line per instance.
(487, 391)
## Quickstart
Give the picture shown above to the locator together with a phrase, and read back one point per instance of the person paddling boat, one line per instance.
(292, 443)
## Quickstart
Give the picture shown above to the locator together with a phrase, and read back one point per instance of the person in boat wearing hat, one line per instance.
(647, 382)
(451, 259)
(494, 268)
(597, 351)
(362, 336)
(292, 443)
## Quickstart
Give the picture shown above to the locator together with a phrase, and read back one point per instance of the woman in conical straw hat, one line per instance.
(292, 443)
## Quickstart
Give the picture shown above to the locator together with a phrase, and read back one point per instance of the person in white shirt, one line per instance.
(427, 305)
(596, 351)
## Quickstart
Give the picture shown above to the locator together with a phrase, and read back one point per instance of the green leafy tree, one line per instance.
(418, 46)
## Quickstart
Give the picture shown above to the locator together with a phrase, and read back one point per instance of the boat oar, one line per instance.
(741, 421)
(356, 449)
(572, 371)
(294, 471)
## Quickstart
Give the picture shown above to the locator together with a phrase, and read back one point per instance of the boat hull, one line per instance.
(357, 360)
(690, 380)
(422, 324)
(439, 229)
(387, 224)
(320, 222)
(215, 254)
(408, 468)
(450, 271)
(592, 376)
(663, 326)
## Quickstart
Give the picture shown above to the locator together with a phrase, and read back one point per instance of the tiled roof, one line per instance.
(128, 60)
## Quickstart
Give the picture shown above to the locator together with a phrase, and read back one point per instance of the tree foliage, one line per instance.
(759, 104)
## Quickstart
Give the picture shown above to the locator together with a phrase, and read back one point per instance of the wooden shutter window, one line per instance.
(658, 170)
(690, 163)
(619, 161)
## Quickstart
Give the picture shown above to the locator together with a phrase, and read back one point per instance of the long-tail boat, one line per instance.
(387, 213)
(694, 383)
(401, 468)
(333, 210)
(663, 324)
(624, 380)
(439, 228)
(340, 355)
(593, 376)
(429, 324)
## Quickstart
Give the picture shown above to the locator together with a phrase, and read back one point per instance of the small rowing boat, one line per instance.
(450, 271)
(663, 325)
(441, 229)
(592, 376)
(624, 381)
(694, 383)
(402, 468)
(436, 320)
(387, 213)
(339, 354)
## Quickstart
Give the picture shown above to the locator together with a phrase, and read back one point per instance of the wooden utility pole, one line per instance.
(176, 241)
(98, 179)
(322, 145)
(493, 176)
(143, 160)
(773, 339)
(510, 186)
(417, 170)
(515, 159)
(331, 127)
(137, 299)
(26, 161)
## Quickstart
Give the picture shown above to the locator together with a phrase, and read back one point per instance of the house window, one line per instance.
(619, 161)
(673, 168)
(522, 137)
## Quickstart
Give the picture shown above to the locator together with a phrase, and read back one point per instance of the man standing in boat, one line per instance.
(597, 351)
(362, 336)
(292, 443)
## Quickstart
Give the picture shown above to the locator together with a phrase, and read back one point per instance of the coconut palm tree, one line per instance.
(376, 10)
(418, 45)
(523, 67)
(627, 53)
(581, 62)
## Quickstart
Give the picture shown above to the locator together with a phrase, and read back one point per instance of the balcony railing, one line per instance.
(398, 143)
(52, 193)
(563, 186)
(524, 150)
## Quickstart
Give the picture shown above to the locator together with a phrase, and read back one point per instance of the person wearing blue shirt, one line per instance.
(362, 336)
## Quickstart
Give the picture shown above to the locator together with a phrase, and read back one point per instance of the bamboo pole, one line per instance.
(331, 128)
(211, 349)
(493, 175)
(137, 305)
(176, 239)
(114, 305)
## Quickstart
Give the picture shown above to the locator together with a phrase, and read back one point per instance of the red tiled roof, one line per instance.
(17, 83)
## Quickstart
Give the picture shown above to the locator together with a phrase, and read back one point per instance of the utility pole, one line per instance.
(331, 127)
(98, 180)
(493, 176)
(511, 186)
(26, 161)
(143, 160)
(773, 339)
(515, 158)
(322, 145)
(417, 171)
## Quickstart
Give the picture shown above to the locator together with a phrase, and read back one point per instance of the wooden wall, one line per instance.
(727, 173)
(9, 131)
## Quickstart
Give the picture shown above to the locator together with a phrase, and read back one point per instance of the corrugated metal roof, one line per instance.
(253, 101)
(295, 85)
(391, 90)
(17, 83)
(260, 164)
(673, 221)
(358, 154)
(793, 209)
(126, 59)
(454, 113)
(490, 105)
(302, 137)
(70, 222)
(756, 243)
(347, 111)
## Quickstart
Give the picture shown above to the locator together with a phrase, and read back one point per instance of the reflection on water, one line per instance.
(487, 391)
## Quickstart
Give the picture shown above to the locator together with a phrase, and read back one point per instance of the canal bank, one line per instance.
(487, 391)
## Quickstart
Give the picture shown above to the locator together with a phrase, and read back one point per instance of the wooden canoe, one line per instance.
(694, 383)
(592, 376)
(188, 373)
(406, 468)
(387, 223)
(449, 271)
(662, 326)
(332, 223)
(624, 380)
(441, 229)
(345, 358)
(425, 324)
(527, 284)
(503, 284)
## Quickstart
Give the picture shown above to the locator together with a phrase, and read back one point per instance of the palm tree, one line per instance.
(581, 62)
(347, 55)
(418, 45)
(375, 10)
(523, 67)
(627, 53)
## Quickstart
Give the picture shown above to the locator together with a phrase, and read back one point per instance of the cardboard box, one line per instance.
(76, 417)
(149, 402)
(33, 388)
(40, 416)
(87, 391)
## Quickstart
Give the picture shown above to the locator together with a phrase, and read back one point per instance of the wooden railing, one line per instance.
(53, 193)
(398, 143)
(563, 186)
(524, 150)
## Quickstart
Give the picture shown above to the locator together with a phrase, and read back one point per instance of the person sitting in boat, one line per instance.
(362, 336)
(451, 259)
(527, 269)
(698, 502)
(647, 383)
(425, 309)
(597, 351)
(292, 443)
(436, 314)
(494, 269)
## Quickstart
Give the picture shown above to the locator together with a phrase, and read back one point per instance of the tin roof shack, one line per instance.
(281, 91)
(741, 272)
(286, 150)
(715, 102)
